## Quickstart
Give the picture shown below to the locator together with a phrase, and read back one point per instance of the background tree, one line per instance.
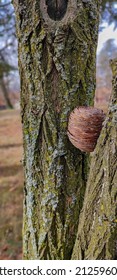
(57, 54)
(4, 71)
(104, 72)
(107, 52)
(8, 49)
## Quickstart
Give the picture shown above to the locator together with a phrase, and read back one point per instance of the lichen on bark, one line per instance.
(97, 230)
(57, 71)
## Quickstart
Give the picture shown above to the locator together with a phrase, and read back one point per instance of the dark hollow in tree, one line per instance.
(56, 8)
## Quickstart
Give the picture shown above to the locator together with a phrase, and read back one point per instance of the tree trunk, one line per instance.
(57, 53)
(97, 230)
(5, 93)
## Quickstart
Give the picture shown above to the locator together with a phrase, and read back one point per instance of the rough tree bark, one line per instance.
(97, 230)
(57, 53)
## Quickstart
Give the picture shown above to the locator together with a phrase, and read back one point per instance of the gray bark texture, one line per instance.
(57, 54)
(97, 230)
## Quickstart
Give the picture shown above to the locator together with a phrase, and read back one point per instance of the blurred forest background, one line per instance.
(11, 151)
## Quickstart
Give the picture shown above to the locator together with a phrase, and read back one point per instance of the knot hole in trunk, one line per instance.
(56, 9)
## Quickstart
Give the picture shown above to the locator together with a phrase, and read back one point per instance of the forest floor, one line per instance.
(11, 185)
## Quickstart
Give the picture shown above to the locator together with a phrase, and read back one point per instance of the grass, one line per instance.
(11, 185)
